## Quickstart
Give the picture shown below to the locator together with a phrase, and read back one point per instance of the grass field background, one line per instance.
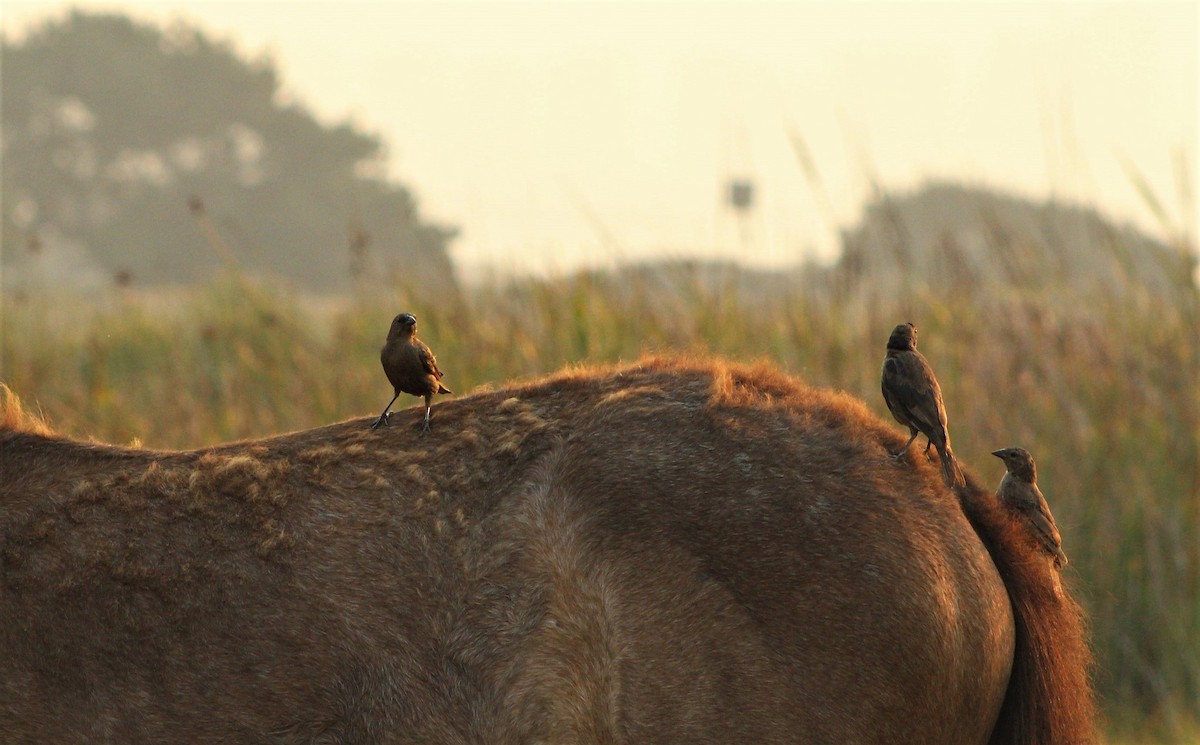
(1102, 388)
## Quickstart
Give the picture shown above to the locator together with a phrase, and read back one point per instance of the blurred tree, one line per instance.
(162, 153)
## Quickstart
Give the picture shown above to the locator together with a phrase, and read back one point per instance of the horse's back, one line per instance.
(655, 554)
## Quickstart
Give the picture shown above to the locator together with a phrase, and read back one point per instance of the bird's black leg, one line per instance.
(896, 455)
(929, 444)
(383, 418)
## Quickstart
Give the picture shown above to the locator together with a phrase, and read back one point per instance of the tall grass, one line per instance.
(1103, 393)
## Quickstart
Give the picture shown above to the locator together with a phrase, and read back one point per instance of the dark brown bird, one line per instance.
(912, 394)
(1019, 492)
(409, 365)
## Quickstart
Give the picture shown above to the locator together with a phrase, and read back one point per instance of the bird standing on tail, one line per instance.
(914, 397)
(409, 365)
(1019, 492)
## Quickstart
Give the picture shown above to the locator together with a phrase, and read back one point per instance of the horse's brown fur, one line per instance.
(672, 551)
(14, 417)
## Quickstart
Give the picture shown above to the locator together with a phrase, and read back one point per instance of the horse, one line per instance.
(676, 550)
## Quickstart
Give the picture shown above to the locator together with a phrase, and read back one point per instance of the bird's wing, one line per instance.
(428, 361)
(1044, 519)
(915, 389)
(889, 380)
(1033, 505)
(927, 406)
(1027, 499)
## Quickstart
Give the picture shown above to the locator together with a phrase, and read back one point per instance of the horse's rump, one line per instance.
(664, 552)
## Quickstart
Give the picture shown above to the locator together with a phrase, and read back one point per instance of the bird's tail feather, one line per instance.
(443, 389)
(950, 470)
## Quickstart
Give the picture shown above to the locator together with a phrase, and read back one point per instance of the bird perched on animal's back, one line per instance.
(912, 394)
(1019, 492)
(409, 365)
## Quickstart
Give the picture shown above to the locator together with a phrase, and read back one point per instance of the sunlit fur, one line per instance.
(14, 417)
(682, 551)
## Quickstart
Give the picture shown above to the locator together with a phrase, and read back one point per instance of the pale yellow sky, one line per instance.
(568, 133)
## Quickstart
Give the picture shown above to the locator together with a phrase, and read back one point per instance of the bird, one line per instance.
(912, 394)
(1019, 492)
(410, 366)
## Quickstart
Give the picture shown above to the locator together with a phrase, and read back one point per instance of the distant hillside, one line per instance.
(949, 237)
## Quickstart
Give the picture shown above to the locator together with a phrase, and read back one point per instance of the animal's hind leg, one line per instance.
(428, 406)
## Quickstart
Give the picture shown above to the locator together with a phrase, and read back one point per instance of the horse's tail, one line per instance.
(1049, 699)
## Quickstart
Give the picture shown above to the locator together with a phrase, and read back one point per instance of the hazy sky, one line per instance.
(563, 133)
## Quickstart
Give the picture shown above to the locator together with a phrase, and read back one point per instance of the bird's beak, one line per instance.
(998, 453)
